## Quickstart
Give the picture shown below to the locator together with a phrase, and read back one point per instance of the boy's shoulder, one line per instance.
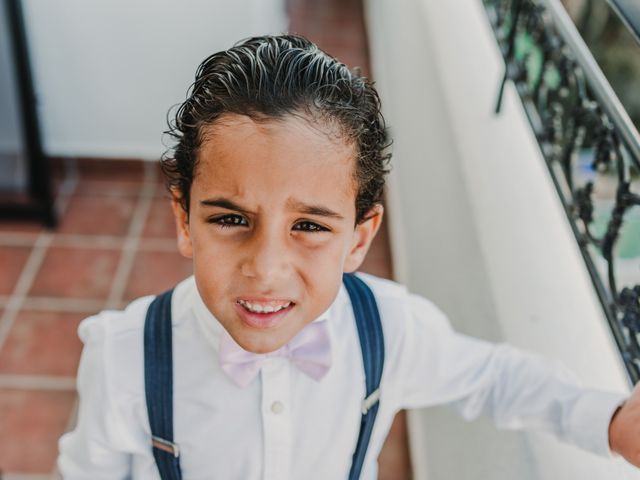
(396, 294)
(392, 299)
(401, 310)
(120, 324)
(115, 323)
(383, 288)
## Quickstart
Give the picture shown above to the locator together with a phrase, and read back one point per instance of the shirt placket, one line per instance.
(276, 418)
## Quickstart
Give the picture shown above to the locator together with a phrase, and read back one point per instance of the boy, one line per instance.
(276, 178)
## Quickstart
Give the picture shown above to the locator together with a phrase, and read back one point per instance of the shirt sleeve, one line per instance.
(91, 449)
(516, 389)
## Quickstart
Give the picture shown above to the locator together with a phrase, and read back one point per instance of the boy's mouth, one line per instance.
(264, 307)
(263, 314)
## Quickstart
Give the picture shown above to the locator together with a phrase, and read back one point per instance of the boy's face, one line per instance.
(271, 225)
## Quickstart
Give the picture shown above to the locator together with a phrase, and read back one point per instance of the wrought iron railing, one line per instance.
(590, 145)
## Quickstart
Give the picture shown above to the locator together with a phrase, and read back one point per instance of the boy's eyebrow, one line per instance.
(296, 205)
(319, 210)
(223, 203)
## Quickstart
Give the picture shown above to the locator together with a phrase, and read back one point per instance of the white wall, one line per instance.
(478, 228)
(107, 71)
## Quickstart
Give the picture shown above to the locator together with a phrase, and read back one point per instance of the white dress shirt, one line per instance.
(285, 425)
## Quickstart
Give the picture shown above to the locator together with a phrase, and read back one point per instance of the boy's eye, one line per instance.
(226, 221)
(307, 226)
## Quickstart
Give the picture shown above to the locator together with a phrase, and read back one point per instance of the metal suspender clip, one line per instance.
(370, 401)
(166, 446)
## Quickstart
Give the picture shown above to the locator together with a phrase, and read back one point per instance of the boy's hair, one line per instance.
(270, 77)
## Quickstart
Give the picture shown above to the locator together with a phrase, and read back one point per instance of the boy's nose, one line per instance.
(267, 258)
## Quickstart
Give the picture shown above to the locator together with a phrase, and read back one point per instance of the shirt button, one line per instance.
(277, 407)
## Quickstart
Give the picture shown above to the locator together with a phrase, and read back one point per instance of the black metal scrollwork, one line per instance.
(575, 118)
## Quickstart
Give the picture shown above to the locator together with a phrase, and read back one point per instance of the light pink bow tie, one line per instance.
(310, 351)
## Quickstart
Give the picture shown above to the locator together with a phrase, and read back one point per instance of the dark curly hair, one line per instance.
(270, 77)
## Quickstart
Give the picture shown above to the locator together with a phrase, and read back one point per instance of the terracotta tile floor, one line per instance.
(52, 280)
(115, 242)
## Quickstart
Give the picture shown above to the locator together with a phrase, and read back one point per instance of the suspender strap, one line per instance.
(372, 346)
(158, 383)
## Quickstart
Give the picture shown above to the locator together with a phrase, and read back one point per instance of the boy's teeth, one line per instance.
(266, 308)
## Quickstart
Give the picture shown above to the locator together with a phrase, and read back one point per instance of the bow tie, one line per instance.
(309, 350)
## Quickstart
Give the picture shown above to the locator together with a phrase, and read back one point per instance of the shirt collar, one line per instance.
(213, 329)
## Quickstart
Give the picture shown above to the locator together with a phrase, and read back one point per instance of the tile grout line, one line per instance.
(55, 304)
(86, 241)
(118, 284)
(24, 283)
(11, 239)
(37, 382)
(24, 476)
(64, 240)
(159, 244)
(70, 305)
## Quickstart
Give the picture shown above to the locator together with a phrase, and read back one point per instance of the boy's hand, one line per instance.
(624, 429)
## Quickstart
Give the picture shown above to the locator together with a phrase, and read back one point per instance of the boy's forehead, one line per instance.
(239, 153)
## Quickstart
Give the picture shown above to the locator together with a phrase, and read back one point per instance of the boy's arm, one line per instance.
(90, 451)
(517, 389)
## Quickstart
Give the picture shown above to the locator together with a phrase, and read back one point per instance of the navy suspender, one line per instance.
(372, 346)
(158, 373)
(158, 385)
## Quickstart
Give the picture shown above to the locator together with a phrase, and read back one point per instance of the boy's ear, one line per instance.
(363, 236)
(182, 226)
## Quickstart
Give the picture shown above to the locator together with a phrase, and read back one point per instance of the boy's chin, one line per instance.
(261, 346)
(261, 342)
